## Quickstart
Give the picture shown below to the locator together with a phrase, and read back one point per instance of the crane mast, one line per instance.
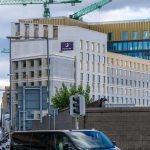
(44, 2)
(89, 9)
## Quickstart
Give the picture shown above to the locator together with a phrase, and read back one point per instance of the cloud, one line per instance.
(126, 13)
(3, 83)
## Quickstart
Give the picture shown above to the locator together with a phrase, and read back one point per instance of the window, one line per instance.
(110, 36)
(117, 99)
(39, 73)
(55, 31)
(103, 60)
(108, 80)
(113, 99)
(120, 46)
(16, 64)
(26, 30)
(126, 82)
(104, 80)
(16, 75)
(130, 82)
(32, 63)
(130, 47)
(81, 56)
(122, 81)
(134, 35)
(40, 83)
(104, 48)
(87, 45)
(113, 80)
(16, 86)
(45, 30)
(81, 76)
(134, 83)
(115, 46)
(93, 78)
(32, 74)
(88, 77)
(135, 45)
(39, 62)
(36, 31)
(87, 57)
(93, 57)
(117, 81)
(98, 59)
(145, 45)
(17, 28)
(125, 35)
(145, 35)
(140, 46)
(125, 46)
(81, 44)
(139, 83)
(98, 47)
(32, 83)
(24, 64)
(24, 75)
(24, 84)
(99, 78)
(93, 97)
(92, 46)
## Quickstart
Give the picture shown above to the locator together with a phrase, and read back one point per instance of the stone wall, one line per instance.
(129, 127)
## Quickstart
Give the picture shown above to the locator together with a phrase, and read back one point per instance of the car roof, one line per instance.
(65, 131)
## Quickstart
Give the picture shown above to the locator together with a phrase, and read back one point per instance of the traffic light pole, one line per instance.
(76, 123)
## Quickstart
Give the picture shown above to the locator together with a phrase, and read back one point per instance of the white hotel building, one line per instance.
(83, 63)
(84, 60)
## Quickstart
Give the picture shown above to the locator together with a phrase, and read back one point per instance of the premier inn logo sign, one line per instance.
(66, 46)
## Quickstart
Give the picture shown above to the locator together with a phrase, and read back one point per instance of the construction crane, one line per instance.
(89, 9)
(44, 2)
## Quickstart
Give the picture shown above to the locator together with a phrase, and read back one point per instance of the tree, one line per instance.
(87, 94)
(61, 98)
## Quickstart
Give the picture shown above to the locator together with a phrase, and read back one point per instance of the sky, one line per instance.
(114, 11)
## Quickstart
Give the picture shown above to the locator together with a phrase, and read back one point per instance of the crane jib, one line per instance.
(24, 2)
(90, 8)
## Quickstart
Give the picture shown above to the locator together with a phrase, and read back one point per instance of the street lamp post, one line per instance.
(48, 73)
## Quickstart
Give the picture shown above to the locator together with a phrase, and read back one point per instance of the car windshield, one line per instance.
(90, 140)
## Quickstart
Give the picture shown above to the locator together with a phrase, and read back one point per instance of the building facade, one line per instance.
(78, 54)
(131, 38)
(128, 81)
(5, 109)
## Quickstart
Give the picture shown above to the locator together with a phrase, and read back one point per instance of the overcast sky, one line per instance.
(116, 10)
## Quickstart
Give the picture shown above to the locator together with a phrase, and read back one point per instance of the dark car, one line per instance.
(61, 140)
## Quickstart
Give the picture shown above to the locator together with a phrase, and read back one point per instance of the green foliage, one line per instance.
(87, 95)
(61, 98)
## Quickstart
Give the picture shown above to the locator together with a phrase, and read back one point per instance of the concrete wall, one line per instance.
(129, 127)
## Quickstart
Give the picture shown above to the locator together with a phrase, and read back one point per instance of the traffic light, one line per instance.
(77, 105)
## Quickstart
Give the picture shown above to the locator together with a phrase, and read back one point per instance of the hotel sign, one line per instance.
(66, 46)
